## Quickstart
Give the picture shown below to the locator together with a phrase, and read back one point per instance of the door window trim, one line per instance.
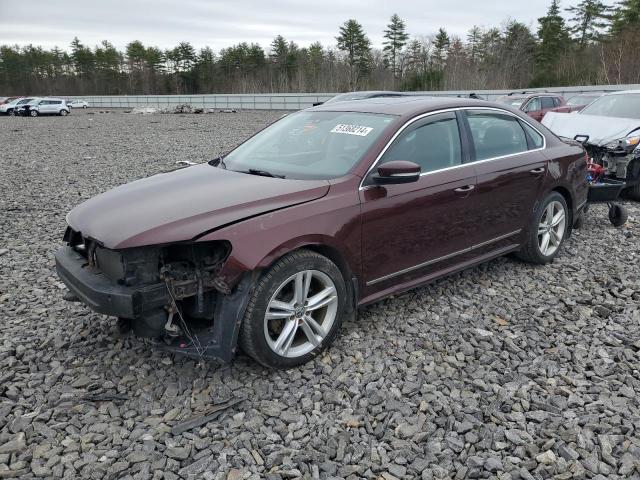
(468, 146)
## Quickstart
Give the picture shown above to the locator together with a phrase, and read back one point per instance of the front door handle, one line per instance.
(465, 189)
(537, 171)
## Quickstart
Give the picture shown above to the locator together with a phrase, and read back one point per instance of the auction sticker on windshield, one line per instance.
(352, 130)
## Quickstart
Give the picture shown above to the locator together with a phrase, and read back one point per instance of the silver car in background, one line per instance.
(45, 106)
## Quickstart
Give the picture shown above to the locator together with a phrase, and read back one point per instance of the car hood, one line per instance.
(183, 204)
(601, 130)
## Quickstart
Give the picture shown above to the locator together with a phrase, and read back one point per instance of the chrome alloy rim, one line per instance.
(300, 313)
(551, 229)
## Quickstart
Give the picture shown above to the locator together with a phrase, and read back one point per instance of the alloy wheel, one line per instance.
(300, 313)
(551, 228)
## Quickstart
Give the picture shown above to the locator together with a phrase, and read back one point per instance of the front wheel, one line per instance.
(547, 230)
(63, 113)
(11, 112)
(295, 311)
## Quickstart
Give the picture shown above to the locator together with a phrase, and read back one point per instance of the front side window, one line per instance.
(533, 105)
(310, 145)
(433, 144)
(495, 134)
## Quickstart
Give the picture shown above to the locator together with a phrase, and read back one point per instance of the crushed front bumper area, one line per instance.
(101, 293)
(104, 295)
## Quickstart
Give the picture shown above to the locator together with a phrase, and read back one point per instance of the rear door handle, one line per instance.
(466, 188)
(537, 171)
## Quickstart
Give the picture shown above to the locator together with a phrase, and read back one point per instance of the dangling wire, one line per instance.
(193, 338)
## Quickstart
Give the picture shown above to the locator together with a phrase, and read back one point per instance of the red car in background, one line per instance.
(536, 105)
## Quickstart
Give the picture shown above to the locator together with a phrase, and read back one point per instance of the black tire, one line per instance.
(530, 251)
(618, 215)
(84, 106)
(252, 332)
(33, 113)
(64, 113)
(11, 112)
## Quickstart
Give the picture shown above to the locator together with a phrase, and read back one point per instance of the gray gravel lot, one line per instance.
(504, 371)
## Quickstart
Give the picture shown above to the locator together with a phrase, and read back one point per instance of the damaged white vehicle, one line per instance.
(609, 128)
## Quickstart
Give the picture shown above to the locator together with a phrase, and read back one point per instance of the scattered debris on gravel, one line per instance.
(505, 371)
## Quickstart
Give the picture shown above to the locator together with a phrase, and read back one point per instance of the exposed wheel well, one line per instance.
(569, 199)
(336, 257)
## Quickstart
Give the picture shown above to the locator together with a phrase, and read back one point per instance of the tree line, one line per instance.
(587, 43)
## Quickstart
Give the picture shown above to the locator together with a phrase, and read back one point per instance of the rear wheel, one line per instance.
(295, 310)
(547, 230)
(33, 113)
(11, 112)
(63, 113)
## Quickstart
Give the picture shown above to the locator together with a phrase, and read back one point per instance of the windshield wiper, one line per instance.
(263, 173)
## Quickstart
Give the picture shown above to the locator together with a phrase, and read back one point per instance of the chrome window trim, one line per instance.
(455, 109)
(444, 257)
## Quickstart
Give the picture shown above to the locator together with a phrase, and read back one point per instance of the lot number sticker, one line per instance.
(352, 130)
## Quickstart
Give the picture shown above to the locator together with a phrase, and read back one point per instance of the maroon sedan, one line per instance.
(326, 210)
(536, 105)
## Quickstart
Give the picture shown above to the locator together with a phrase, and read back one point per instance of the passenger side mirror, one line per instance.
(396, 172)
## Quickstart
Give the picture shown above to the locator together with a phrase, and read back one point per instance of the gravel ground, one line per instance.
(504, 371)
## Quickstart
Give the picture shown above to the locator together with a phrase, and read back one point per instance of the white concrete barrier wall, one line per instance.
(297, 101)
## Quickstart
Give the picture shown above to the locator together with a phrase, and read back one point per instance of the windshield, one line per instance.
(581, 100)
(309, 145)
(619, 105)
(513, 101)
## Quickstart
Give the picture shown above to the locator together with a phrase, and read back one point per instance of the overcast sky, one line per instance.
(219, 24)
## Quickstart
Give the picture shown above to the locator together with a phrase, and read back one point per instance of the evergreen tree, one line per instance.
(627, 14)
(590, 19)
(395, 39)
(357, 47)
(554, 40)
(441, 45)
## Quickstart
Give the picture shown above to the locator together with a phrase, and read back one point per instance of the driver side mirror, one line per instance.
(397, 172)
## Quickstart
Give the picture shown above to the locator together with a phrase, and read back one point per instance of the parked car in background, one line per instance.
(536, 105)
(578, 102)
(45, 106)
(351, 96)
(609, 128)
(325, 210)
(11, 107)
(78, 103)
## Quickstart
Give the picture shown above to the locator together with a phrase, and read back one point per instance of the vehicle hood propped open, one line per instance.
(601, 130)
(182, 204)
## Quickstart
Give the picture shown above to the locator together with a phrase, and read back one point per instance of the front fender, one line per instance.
(333, 221)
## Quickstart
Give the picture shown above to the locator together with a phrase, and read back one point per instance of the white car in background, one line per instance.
(78, 103)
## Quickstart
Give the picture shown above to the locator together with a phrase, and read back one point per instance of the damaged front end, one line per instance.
(173, 292)
(619, 158)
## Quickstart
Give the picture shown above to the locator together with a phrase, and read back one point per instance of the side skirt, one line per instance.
(403, 287)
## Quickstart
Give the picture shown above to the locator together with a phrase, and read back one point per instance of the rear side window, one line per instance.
(547, 102)
(433, 144)
(56, 102)
(535, 139)
(495, 134)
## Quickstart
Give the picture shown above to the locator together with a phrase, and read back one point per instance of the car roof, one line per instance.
(622, 92)
(405, 106)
